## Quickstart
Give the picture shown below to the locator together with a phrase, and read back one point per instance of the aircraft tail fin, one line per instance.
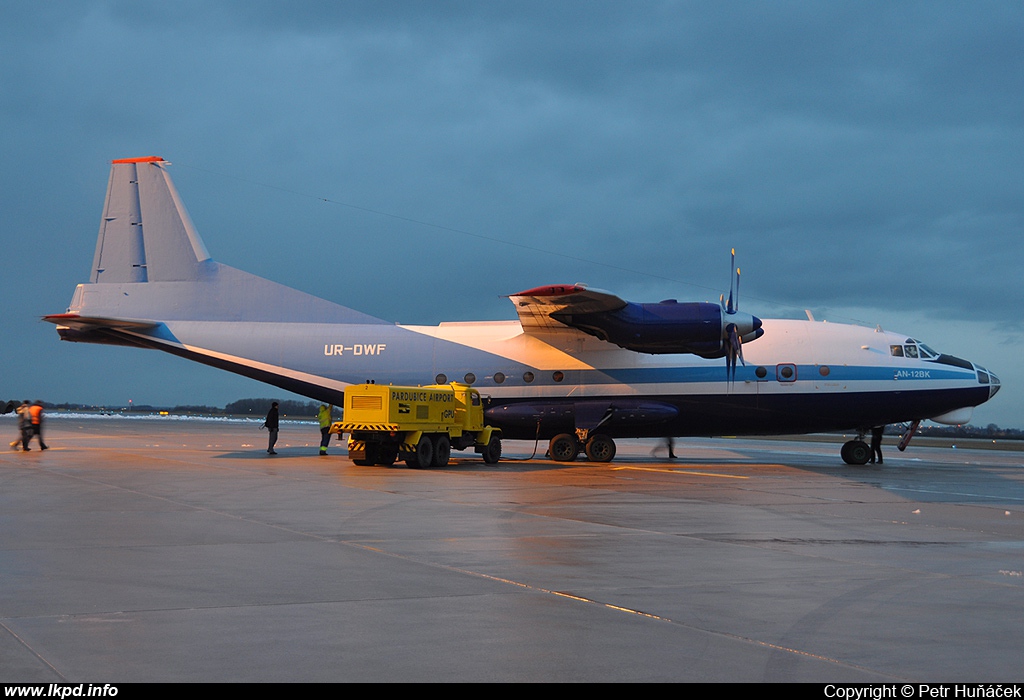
(146, 234)
(151, 265)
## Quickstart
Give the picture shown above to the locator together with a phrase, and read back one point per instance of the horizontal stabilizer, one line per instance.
(103, 330)
(92, 323)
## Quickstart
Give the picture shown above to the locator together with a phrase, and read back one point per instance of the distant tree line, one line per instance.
(990, 431)
(259, 407)
(242, 407)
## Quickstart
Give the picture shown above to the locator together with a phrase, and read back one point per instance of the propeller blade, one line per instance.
(733, 351)
(732, 266)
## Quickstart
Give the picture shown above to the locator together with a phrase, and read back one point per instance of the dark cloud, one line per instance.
(860, 155)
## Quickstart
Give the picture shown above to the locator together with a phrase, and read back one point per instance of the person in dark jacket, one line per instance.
(876, 443)
(271, 424)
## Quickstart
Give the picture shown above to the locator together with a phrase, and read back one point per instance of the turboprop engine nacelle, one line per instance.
(699, 328)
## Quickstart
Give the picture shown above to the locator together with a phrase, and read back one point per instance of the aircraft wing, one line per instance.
(701, 328)
(538, 308)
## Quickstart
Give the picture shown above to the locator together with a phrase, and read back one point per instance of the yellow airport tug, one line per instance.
(419, 424)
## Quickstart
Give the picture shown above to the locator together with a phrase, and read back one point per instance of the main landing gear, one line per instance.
(856, 451)
(566, 447)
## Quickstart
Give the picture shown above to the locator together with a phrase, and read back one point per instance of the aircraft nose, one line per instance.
(986, 377)
(994, 385)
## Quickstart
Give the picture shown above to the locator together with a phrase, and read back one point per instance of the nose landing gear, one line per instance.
(856, 451)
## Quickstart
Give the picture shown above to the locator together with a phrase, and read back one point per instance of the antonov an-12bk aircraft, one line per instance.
(580, 367)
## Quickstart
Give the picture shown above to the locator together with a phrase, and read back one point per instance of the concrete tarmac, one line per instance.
(157, 550)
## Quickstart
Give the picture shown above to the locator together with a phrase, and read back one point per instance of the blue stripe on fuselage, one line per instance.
(685, 375)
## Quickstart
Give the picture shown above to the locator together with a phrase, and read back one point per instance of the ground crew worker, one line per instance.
(876, 443)
(271, 424)
(323, 416)
(24, 426)
(35, 412)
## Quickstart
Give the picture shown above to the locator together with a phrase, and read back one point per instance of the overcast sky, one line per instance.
(865, 159)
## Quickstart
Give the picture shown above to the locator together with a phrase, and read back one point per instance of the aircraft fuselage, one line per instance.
(578, 361)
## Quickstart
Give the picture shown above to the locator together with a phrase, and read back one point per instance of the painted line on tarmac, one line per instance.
(679, 471)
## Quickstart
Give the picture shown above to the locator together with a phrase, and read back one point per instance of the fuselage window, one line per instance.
(470, 377)
(761, 372)
(910, 350)
(896, 350)
(527, 377)
(785, 373)
(824, 370)
(441, 379)
(558, 376)
(499, 377)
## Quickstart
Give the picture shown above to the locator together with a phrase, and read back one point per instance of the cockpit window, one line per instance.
(914, 349)
(986, 377)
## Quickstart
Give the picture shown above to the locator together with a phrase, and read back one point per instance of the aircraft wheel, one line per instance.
(492, 453)
(442, 451)
(600, 448)
(856, 452)
(563, 448)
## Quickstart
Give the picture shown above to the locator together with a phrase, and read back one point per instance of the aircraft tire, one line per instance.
(492, 453)
(442, 451)
(855, 452)
(564, 448)
(600, 448)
